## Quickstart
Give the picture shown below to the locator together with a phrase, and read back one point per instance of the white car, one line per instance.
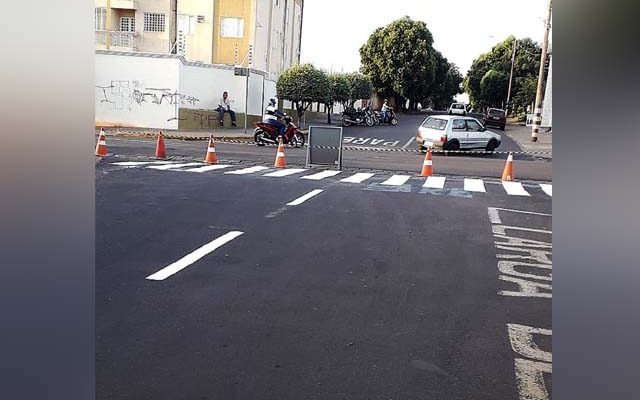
(452, 132)
(458, 109)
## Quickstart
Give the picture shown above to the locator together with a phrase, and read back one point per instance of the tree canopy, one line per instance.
(360, 87)
(339, 92)
(402, 63)
(498, 60)
(303, 84)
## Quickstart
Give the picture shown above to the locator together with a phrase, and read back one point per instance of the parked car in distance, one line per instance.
(495, 117)
(452, 132)
(457, 108)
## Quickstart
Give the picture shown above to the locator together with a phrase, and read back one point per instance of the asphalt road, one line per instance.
(470, 165)
(363, 291)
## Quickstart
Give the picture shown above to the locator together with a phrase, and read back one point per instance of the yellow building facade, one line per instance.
(261, 34)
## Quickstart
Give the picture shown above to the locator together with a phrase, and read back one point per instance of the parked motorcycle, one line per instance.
(351, 116)
(266, 133)
(390, 118)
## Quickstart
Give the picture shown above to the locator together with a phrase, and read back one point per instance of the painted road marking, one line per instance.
(434, 182)
(408, 143)
(494, 216)
(396, 180)
(546, 188)
(321, 175)
(139, 163)
(249, 170)
(357, 178)
(194, 256)
(207, 168)
(533, 363)
(474, 185)
(514, 189)
(304, 198)
(173, 166)
(285, 172)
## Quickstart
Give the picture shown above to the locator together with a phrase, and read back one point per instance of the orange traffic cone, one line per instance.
(427, 165)
(211, 157)
(507, 174)
(280, 161)
(101, 146)
(161, 152)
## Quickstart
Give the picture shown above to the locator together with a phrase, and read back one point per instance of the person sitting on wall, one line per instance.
(225, 106)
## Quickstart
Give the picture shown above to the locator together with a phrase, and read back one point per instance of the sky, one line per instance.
(334, 30)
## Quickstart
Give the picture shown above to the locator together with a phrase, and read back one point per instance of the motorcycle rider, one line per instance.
(384, 111)
(271, 116)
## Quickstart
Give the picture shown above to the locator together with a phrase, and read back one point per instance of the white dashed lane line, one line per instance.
(546, 188)
(173, 166)
(207, 168)
(192, 257)
(285, 172)
(304, 198)
(321, 175)
(249, 170)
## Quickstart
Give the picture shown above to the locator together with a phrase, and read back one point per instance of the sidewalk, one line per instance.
(521, 134)
(197, 134)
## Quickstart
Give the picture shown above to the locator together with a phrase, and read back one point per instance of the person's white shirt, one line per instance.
(385, 107)
(226, 103)
(270, 113)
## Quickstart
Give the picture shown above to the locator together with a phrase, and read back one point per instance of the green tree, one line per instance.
(526, 64)
(493, 87)
(400, 60)
(446, 83)
(360, 87)
(303, 85)
(339, 92)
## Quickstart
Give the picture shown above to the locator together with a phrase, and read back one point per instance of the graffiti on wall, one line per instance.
(124, 95)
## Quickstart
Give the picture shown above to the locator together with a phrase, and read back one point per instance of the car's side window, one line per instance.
(458, 125)
(473, 126)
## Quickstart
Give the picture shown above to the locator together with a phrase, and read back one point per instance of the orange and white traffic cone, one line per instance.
(427, 165)
(101, 146)
(507, 174)
(280, 161)
(211, 157)
(161, 151)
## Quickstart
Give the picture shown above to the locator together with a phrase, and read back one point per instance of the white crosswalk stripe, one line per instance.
(434, 182)
(139, 163)
(321, 175)
(514, 189)
(249, 170)
(285, 172)
(207, 168)
(173, 166)
(474, 185)
(396, 180)
(357, 178)
(546, 188)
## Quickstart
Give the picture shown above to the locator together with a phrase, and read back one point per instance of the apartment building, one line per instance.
(261, 34)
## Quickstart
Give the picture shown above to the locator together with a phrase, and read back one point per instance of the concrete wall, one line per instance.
(160, 91)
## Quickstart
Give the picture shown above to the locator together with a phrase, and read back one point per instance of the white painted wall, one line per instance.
(141, 90)
(135, 91)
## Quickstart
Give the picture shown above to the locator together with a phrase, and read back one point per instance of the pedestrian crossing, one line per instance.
(432, 182)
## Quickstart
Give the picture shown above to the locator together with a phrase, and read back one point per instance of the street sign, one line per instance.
(241, 71)
(325, 146)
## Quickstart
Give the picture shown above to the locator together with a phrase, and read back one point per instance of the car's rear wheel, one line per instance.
(453, 145)
(491, 146)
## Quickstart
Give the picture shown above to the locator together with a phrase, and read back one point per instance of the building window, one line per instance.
(127, 24)
(101, 19)
(153, 22)
(231, 27)
(186, 24)
(201, 19)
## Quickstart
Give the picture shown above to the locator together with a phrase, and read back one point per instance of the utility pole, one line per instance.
(108, 23)
(537, 116)
(513, 59)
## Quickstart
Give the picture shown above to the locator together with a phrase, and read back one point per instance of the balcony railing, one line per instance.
(119, 39)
